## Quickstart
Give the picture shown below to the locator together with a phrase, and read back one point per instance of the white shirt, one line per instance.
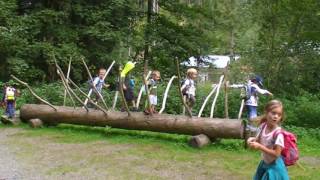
(189, 84)
(269, 141)
(255, 89)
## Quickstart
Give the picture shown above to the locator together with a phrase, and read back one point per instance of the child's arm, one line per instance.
(262, 91)
(276, 151)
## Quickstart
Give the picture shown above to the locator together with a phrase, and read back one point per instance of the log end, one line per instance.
(199, 141)
(35, 123)
(6, 120)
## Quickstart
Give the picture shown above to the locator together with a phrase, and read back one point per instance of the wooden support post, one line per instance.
(35, 123)
(199, 141)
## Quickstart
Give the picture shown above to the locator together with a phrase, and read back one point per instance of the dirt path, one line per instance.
(9, 166)
(33, 157)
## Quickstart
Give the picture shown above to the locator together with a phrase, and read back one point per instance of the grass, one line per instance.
(146, 154)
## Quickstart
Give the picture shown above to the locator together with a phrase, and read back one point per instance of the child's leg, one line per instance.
(10, 106)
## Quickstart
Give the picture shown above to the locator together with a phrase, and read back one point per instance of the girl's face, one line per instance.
(156, 77)
(193, 75)
(274, 116)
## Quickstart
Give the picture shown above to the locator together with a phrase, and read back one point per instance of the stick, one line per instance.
(147, 94)
(89, 99)
(122, 96)
(216, 97)
(115, 100)
(94, 87)
(104, 77)
(67, 87)
(181, 96)
(57, 66)
(207, 99)
(68, 74)
(166, 94)
(33, 93)
(241, 109)
(141, 90)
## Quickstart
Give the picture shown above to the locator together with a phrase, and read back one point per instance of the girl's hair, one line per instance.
(191, 71)
(269, 106)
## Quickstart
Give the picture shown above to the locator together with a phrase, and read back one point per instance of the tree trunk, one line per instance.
(213, 128)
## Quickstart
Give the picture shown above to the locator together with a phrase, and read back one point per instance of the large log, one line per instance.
(179, 124)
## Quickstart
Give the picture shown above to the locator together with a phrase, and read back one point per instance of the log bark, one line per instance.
(199, 141)
(213, 128)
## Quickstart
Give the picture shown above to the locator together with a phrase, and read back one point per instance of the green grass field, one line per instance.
(140, 154)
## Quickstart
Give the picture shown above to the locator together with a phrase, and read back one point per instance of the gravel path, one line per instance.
(9, 166)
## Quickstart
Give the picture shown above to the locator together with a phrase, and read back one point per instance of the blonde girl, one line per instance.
(272, 165)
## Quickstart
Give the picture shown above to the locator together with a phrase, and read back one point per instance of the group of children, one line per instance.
(272, 166)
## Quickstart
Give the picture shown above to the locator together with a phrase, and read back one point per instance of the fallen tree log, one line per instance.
(179, 124)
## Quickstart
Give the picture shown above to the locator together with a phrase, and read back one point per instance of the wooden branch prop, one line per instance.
(179, 85)
(166, 94)
(216, 97)
(141, 90)
(241, 109)
(147, 94)
(116, 96)
(33, 93)
(94, 87)
(104, 77)
(207, 99)
(179, 124)
(68, 74)
(67, 87)
(89, 99)
(122, 94)
(57, 66)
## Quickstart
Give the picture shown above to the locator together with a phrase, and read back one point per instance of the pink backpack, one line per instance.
(290, 152)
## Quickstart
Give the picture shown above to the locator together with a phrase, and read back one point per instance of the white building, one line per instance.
(205, 74)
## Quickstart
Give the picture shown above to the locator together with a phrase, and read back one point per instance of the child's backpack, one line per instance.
(246, 92)
(290, 152)
(10, 94)
(184, 90)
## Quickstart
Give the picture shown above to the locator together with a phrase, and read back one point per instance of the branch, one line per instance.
(55, 61)
(206, 100)
(67, 87)
(166, 94)
(33, 93)
(216, 97)
(90, 100)
(181, 96)
(68, 74)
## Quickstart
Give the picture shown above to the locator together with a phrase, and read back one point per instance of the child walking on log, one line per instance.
(270, 144)
(188, 87)
(152, 86)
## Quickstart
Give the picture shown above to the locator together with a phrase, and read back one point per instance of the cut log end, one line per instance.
(199, 141)
(36, 123)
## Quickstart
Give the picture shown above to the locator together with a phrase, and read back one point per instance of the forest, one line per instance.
(279, 40)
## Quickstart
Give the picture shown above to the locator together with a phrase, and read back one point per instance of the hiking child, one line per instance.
(188, 87)
(254, 88)
(99, 83)
(152, 86)
(128, 90)
(10, 101)
(272, 165)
